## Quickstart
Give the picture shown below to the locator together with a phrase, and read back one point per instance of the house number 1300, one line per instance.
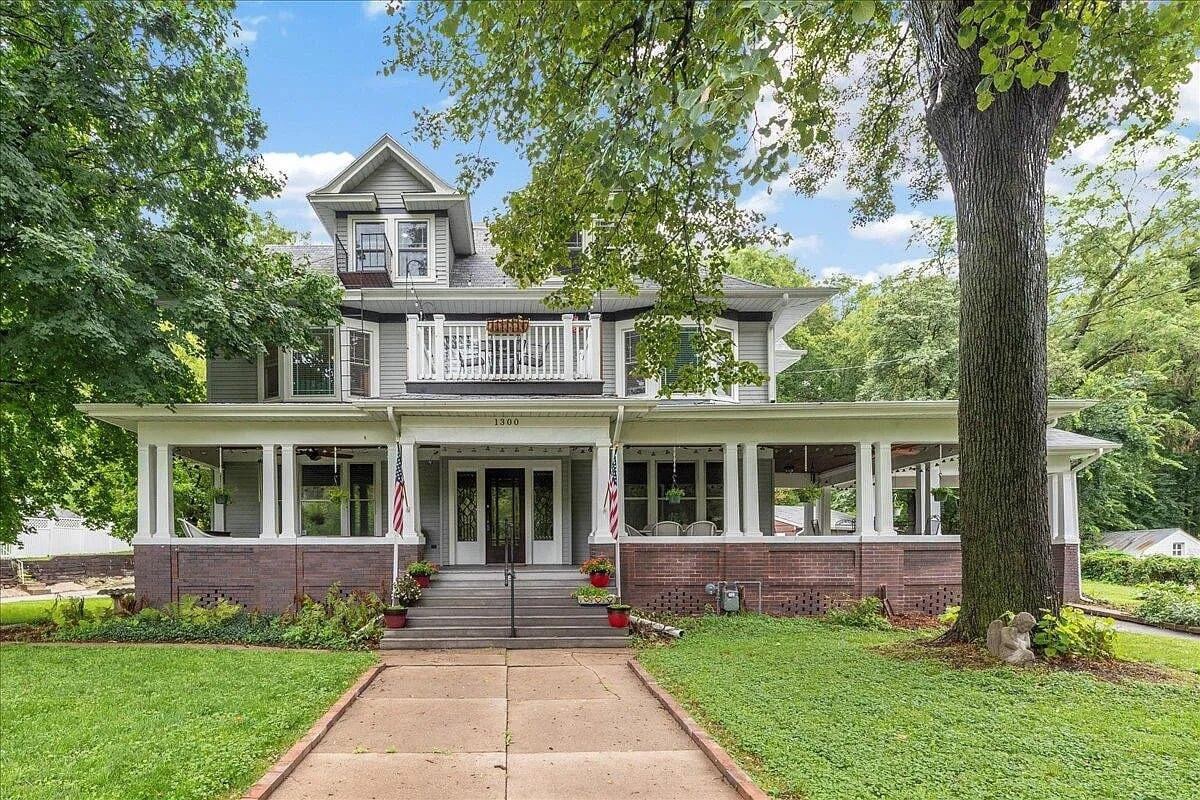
(506, 420)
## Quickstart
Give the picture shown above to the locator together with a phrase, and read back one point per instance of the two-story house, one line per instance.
(498, 420)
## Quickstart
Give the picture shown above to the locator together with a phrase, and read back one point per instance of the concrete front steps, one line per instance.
(468, 607)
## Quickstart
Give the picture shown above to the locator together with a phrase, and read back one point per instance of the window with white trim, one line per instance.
(359, 356)
(631, 385)
(313, 371)
(271, 374)
(634, 384)
(344, 364)
(412, 248)
(1177, 549)
(370, 246)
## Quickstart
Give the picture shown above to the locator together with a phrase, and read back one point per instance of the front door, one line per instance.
(504, 513)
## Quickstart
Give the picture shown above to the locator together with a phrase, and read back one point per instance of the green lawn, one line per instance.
(1113, 595)
(1166, 650)
(187, 723)
(29, 612)
(813, 712)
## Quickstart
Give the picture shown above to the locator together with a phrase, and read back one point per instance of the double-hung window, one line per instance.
(271, 374)
(370, 246)
(313, 371)
(359, 357)
(686, 355)
(412, 248)
(634, 384)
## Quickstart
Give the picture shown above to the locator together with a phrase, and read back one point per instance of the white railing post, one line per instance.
(439, 347)
(567, 367)
(412, 334)
(593, 346)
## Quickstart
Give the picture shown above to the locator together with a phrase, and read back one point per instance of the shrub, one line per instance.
(593, 566)
(1073, 634)
(866, 613)
(405, 590)
(67, 612)
(1113, 566)
(593, 595)
(337, 623)
(950, 615)
(1171, 604)
(426, 568)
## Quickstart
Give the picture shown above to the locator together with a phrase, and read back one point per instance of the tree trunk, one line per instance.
(996, 164)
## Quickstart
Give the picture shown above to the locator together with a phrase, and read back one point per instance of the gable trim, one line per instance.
(361, 167)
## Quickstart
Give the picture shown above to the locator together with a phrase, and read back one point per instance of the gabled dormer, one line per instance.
(393, 220)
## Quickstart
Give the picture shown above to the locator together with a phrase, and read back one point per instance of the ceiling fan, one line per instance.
(317, 453)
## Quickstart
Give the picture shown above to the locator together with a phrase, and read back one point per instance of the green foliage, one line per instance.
(129, 248)
(593, 595)
(865, 613)
(1073, 634)
(77, 721)
(1113, 566)
(426, 568)
(68, 611)
(405, 590)
(337, 623)
(1176, 605)
(950, 615)
(771, 691)
(597, 565)
(37, 612)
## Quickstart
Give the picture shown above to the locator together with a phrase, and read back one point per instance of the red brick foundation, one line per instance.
(265, 577)
(1064, 558)
(803, 578)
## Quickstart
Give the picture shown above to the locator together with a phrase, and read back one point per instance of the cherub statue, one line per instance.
(1010, 643)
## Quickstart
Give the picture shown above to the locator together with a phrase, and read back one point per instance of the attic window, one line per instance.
(370, 249)
(412, 248)
(1177, 549)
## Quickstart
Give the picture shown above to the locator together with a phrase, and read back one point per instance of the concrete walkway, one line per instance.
(516, 724)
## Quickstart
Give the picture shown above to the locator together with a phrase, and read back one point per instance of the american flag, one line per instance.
(400, 500)
(610, 497)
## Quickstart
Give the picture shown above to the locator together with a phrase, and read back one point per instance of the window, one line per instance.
(412, 248)
(543, 506)
(637, 502)
(467, 528)
(312, 372)
(318, 516)
(633, 383)
(1177, 549)
(370, 246)
(685, 356)
(362, 506)
(714, 493)
(359, 356)
(271, 374)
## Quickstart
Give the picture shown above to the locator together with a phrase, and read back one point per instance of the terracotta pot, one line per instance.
(423, 581)
(618, 618)
(395, 619)
(599, 579)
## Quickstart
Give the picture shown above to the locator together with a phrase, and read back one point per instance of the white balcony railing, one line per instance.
(550, 350)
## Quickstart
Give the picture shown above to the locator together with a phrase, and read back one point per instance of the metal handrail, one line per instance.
(510, 580)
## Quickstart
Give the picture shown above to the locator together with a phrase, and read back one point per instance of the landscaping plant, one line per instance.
(1071, 634)
(1175, 605)
(865, 613)
(593, 595)
(423, 571)
(1113, 566)
(405, 591)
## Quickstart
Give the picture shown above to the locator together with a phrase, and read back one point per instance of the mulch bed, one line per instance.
(970, 656)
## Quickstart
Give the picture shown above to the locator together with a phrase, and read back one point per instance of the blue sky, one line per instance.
(314, 72)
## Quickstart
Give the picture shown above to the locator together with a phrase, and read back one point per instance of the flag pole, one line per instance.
(617, 534)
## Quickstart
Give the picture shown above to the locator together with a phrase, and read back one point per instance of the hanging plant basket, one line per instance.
(674, 495)
(509, 326)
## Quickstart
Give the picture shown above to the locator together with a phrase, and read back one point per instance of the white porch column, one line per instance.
(750, 523)
(731, 499)
(408, 460)
(600, 456)
(287, 491)
(934, 481)
(1054, 505)
(885, 515)
(393, 456)
(825, 507)
(270, 503)
(864, 490)
(1070, 508)
(921, 499)
(164, 488)
(145, 495)
(218, 509)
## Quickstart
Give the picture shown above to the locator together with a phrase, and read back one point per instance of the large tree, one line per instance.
(641, 120)
(128, 149)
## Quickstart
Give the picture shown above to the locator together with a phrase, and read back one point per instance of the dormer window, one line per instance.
(370, 247)
(412, 248)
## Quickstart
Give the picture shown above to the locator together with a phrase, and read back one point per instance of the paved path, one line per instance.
(513, 725)
(1135, 627)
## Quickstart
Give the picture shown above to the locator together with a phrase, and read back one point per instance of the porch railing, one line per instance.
(566, 349)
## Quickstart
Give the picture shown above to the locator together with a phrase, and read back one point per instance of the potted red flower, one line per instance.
(423, 572)
(618, 615)
(598, 571)
(395, 617)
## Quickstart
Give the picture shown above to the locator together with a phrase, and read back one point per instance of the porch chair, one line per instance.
(632, 531)
(190, 531)
(701, 527)
(666, 528)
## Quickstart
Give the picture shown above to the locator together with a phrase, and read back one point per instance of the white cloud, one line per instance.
(896, 228)
(802, 245)
(374, 8)
(870, 274)
(1189, 97)
(303, 173)
(766, 201)
(244, 33)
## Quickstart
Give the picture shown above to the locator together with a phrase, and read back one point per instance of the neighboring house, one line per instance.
(1159, 542)
(65, 533)
(800, 520)
(504, 419)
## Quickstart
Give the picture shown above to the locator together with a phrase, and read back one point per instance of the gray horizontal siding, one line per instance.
(243, 512)
(581, 507)
(393, 359)
(752, 347)
(608, 357)
(429, 482)
(389, 181)
(766, 495)
(232, 380)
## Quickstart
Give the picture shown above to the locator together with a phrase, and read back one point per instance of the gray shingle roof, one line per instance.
(318, 257)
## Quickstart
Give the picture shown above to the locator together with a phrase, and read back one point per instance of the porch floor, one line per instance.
(506, 725)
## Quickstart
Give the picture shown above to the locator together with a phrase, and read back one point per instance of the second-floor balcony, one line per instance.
(505, 350)
(366, 265)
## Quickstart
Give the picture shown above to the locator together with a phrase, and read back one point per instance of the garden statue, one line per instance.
(1010, 643)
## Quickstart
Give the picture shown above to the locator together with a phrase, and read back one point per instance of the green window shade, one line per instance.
(312, 372)
(685, 356)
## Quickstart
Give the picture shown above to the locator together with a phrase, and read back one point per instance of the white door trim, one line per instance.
(479, 467)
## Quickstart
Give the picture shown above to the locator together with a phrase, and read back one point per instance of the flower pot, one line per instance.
(618, 617)
(423, 581)
(395, 619)
(599, 579)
